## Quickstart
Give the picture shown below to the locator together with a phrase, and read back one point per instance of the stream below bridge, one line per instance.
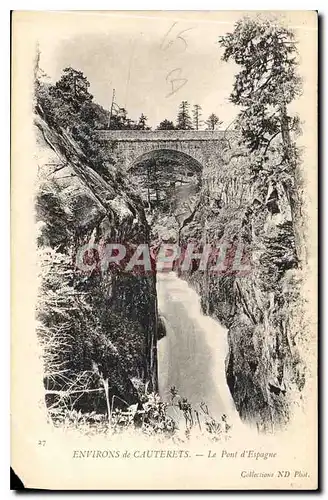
(192, 355)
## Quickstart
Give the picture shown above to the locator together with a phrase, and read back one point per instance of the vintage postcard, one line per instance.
(164, 250)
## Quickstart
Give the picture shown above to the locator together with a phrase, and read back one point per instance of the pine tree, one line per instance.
(184, 120)
(142, 124)
(73, 88)
(266, 84)
(197, 113)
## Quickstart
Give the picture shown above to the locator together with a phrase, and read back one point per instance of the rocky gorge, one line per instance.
(100, 330)
(76, 206)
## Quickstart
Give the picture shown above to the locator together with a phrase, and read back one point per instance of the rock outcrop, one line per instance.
(115, 329)
(262, 307)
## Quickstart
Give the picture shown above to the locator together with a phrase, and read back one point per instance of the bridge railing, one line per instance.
(161, 135)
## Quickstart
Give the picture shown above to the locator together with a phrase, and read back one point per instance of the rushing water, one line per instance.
(192, 355)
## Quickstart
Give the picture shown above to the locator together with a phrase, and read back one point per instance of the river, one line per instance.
(192, 355)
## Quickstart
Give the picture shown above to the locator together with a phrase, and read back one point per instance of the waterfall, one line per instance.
(192, 355)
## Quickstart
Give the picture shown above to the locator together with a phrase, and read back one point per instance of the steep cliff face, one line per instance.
(260, 305)
(111, 316)
(104, 322)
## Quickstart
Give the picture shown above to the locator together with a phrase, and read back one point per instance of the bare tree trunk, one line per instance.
(105, 384)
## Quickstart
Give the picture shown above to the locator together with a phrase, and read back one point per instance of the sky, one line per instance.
(152, 62)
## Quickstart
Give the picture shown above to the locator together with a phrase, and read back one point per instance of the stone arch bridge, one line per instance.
(198, 150)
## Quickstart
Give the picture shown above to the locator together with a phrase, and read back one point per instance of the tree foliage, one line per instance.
(68, 105)
(197, 113)
(267, 53)
(82, 349)
(213, 121)
(184, 121)
(72, 88)
(265, 85)
(119, 120)
(142, 123)
(166, 125)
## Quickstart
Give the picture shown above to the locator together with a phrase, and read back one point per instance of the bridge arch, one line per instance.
(191, 165)
(166, 179)
(201, 146)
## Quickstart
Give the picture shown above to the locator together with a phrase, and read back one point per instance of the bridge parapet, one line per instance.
(161, 135)
(204, 148)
